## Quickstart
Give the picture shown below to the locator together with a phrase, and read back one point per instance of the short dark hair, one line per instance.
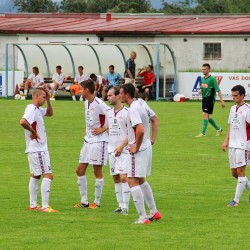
(240, 89)
(93, 76)
(112, 66)
(206, 65)
(36, 69)
(58, 67)
(151, 67)
(129, 88)
(88, 84)
(80, 67)
(116, 90)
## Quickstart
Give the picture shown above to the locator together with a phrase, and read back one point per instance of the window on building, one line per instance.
(212, 50)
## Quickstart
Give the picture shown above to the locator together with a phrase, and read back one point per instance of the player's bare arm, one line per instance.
(49, 106)
(139, 137)
(224, 146)
(222, 103)
(24, 123)
(97, 131)
(155, 125)
(119, 148)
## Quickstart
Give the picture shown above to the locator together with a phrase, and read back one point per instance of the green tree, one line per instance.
(139, 6)
(36, 6)
(73, 6)
(206, 6)
(102, 6)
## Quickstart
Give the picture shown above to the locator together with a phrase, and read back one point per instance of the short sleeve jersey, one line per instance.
(239, 121)
(130, 64)
(209, 87)
(149, 77)
(36, 78)
(34, 116)
(95, 113)
(59, 78)
(113, 79)
(99, 79)
(118, 131)
(139, 113)
(79, 78)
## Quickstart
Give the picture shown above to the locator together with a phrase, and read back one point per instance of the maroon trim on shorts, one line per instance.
(133, 165)
(40, 158)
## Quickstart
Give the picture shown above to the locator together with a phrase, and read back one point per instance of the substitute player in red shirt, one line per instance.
(148, 81)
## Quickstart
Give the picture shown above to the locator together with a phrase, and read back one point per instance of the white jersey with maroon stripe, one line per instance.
(34, 116)
(139, 113)
(95, 113)
(239, 121)
(118, 131)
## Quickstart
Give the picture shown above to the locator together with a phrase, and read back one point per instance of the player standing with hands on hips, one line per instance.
(209, 87)
(37, 148)
(238, 141)
(139, 118)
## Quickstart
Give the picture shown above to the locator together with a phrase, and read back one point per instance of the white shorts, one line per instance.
(52, 86)
(139, 164)
(237, 157)
(128, 80)
(94, 153)
(39, 163)
(118, 164)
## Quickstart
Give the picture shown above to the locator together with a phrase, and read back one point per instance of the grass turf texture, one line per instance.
(190, 179)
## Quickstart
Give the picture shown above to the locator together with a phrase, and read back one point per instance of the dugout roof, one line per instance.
(133, 24)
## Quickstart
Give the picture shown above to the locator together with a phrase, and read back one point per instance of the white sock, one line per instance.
(125, 195)
(33, 188)
(45, 191)
(247, 184)
(118, 194)
(148, 196)
(82, 184)
(25, 91)
(138, 201)
(99, 183)
(80, 98)
(239, 188)
(74, 97)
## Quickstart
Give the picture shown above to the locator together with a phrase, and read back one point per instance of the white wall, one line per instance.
(189, 54)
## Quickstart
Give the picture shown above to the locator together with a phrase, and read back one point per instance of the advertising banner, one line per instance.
(189, 84)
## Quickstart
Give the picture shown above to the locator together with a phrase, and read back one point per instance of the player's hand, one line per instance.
(34, 136)
(222, 103)
(224, 147)
(199, 91)
(248, 154)
(47, 94)
(97, 131)
(132, 149)
(118, 151)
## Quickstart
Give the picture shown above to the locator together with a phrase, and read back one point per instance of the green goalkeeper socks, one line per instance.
(204, 127)
(214, 124)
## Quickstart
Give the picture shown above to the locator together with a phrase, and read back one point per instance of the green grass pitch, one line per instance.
(190, 179)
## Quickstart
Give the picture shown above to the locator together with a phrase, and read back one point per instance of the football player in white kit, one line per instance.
(116, 122)
(37, 148)
(139, 118)
(95, 148)
(238, 141)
